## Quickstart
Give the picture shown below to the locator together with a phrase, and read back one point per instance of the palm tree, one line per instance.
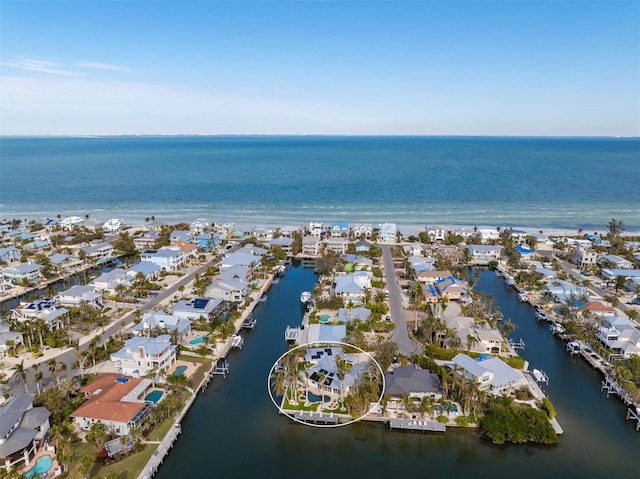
(471, 341)
(53, 370)
(38, 379)
(22, 374)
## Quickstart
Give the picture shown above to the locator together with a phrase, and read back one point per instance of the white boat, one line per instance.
(540, 376)
(305, 297)
(237, 341)
(522, 297)
(557, 328)
(573, 347)
(541, 315)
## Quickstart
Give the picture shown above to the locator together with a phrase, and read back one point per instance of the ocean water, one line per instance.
(558, 183)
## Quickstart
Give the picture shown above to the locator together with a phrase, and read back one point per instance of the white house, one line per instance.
(160, 322)
(362, 230)
(615, 262)
(80, 295)
(387, 232)
(44, 309)
(310, 245)
(484, 254)
(23, 272)
(316, 228)
(620, 336)
(492, 374)
(141, 355)
(352, 287)
(169, 258)
(436, 233)
(488, 234)
(70, 222)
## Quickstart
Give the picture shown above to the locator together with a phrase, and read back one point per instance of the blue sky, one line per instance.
(326, 67)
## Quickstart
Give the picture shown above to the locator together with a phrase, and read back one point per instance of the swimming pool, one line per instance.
(315, 398)
(43, 465)
(198, 340)
(153, 396)
(324, 318)
(179, 371)
(453, 408)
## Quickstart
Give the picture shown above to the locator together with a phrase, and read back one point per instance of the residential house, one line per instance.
(561, 288)
(197, 308)
(169, 258)
(421, 264)
(519, 237)
(153, 324)
(225, 228)
(316, 229)
(252, 249)
(363, 230)
(583, 257)
(484, 254)
(324, 374)
(240, 259)
(352, 287)
(9, 339)
(525, 254)
(22, 429)
(71, 222)
(200, 226)
(362, 246)
(80, 295)
(286, 244)
(107, 282)
(337, 244)
(488, 234)
(114, 401)
(147, 240)
(326, 333)
(62, 262)
(436, 233)
(98, 253)
(485, 338)
(493, 374)
(411, 382)
(613, 261)
(620, 336)
(429, 276)
(44, 309)
(208, 241)
(598, 308)
(113, 225)
(311, 245)
(231, 285)
(181, 235)
(142, 355)
(149, 270)
(38, 245)
(339, 229)
(9, 254)
(29, 272)
(387, 232)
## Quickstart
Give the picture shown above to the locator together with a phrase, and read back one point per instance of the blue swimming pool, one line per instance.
(315, 398)
(324, 318)
(153, 396)
(198, 340)
(179, 371)
(43, 465)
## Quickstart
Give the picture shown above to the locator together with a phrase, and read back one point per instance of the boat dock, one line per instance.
(416, 425)
(291, 334)
(249, 323)
(316, 417)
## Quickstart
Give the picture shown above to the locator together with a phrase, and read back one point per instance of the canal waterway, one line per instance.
(233, 429)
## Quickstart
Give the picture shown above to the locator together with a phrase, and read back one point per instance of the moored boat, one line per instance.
(305, 297)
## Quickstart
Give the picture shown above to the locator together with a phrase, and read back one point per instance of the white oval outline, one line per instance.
(339, 424)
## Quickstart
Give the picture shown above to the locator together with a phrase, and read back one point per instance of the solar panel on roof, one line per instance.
(200, 303)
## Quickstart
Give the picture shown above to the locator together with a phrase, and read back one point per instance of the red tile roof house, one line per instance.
(116, 401)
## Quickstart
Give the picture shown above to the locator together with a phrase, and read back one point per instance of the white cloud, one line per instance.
(101, 66)
(41, 66)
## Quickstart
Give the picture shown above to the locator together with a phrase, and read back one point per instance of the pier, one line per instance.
(316, 417)
(416, 425)
(291, 334)
(249, 323)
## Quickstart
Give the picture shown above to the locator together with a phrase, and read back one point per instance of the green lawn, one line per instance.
(198, 376)
(128, 468)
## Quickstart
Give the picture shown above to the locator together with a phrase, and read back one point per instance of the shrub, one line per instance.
(462, 421)
(547, 407)
(515, 362)
(442, 419)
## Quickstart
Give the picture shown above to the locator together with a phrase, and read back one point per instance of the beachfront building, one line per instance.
(493, 374)
(488, 234)
(147, 240)
(45, 309)
(339, 229)
(194, 309)
(387, 232)
(224, 227)
(620, 336)
(484, 254)
(155, 324)
(362, 230)
(80, 296)
(70, 222)
(411, 382)
(352, 288)
(525, 254)
(583, 257)
(22, 429)
(311, 245)
(113, 225)
(9, 254)
(199, 226)
(116, 401)
(141, 355)
(316, 228)
(436, 233)
(23, 273)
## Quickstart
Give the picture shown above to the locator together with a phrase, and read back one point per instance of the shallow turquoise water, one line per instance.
(179, 371)
(42, 466)
(153, 396)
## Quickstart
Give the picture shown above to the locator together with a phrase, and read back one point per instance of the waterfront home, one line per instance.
(149, 270)
(519, 237)
(362, 230)
(27, 272)
(147, 240)
(615, 262)
(436, 233)
(240, 259)
(22, 429)
(199, 226)
(99, 252)
(181, 235)
(9, 254)
(421, 264)
(611, 274)
(324, 373)
(154, 324)
(71, 222)
(583, 257)
(598, 308)
(525, 253)
(451, 288)
(493, 374)
(485, 338)
(228, 287)
(113, 225)
(339, 229)
(225, 228)
(545, 273)
(620, 336)
(80, 295)
(169, 258)
(464, 233)
(352, 287)
(141, 355)
(252, 249)
(45, 309)
(346, 315)
(107, 282)
(37, 245)
(115, 401)
(316, 228)
(430, 276)
(411, 382)
(283, 243)
(362, 263)
(196, 308)
(64, 262)
(387, 232)
(337, 244)
(484, 254)
(9, 340)
(326, 333)
(488, 234)
(362, 246)
(310, 245)
(560, 288)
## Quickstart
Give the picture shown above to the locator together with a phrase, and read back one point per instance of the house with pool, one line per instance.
(490, 374)
(22, 430)
(153, 324)
(324, 374)
(142, 355)
(121, 403)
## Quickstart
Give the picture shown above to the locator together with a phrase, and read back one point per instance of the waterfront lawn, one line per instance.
(299, 406)
(198, 375)
(160, 432)
(128, 468)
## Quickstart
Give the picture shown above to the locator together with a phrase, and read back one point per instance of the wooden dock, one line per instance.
(316, 417)
(416, 425)
(291, 334)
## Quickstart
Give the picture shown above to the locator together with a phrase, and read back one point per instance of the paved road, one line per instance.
(400, 336)
(71, 355)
